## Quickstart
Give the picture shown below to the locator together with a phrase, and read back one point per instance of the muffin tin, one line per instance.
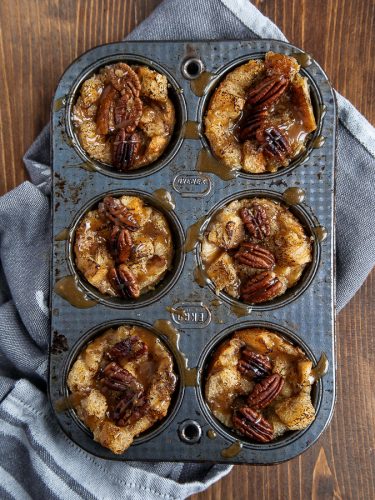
(189, 318)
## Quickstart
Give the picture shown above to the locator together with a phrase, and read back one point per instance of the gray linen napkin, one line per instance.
(30, 438)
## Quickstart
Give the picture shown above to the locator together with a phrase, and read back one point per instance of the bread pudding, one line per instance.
(259, 384)
(123, 247)
(254, 249)
(260, 116)
(123, 116)
(121, 384)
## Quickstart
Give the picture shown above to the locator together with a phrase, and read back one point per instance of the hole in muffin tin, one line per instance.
(176, 398)
(171, 276)
(192, 68)
(316, 101)
(190, 431)
(308, 274)
(204, 361)
(174, 93)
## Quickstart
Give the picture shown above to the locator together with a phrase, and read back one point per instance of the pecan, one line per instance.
(251, 423)
(254, 364)
(115, 378)
(113, 210)
(260, 288)
(275, 144)
(120, 244)
(127, 349)
(104, 109)
(267, 91)
(127, 112)
(252, 121)
(124, 282)
(132, 405)
(255, 256)
(125, 148)
(124, 78)
(256, 221)
(265, 391)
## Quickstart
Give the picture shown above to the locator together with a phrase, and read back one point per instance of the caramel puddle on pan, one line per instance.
(294, 195)
(320, 369)
(198, 85)
(200, 276)
(165, 198)
(193, 234)
(211, 434)
(68, 403)
(318, 142)
(206, 162)
(321, 233)
(165, 326)
(67, 288)
(303, 59)
(59, 103)
(63, 235)
(232, 451)
(240, 310)
(190, 130)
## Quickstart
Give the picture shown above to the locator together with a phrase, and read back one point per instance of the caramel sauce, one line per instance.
(165, 198)
(211, 434)
(200, 276)
(198, 85)
(206, 162)
(232, 451)
(87, 166)
(303, 59)
(167, 329)
(321, 233)
(318, 142)
(320, 369)
(67, 288)
(190, 130)
(216, 302)
(240, 310)
(173, 310)
(294, 195)
(59, 104)
(193, 234)
(69, 402)
(63, 235)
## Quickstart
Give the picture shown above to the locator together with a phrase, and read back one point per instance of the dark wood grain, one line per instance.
(39, 39)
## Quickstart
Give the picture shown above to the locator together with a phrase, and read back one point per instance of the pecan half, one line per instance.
(104, 109)
(132, 406)
(254, 364)
(252, 121)
(124, 281)
(124, 78)
(125, 148)
(113, 210)
(120, 244)
(115, 378)
(275, 144)
(260, 288)
(255, 256)
(251, 424)
(127, 112)
(265, 391)
(127, 349)
(256, 221)
(267, 91)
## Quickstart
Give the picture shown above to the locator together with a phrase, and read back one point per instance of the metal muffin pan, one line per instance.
(305, 315)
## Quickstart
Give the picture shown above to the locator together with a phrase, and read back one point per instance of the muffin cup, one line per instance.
(174, 94)
(163, 287)
(230, 434)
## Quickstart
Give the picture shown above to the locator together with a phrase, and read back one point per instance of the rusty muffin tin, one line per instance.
(184, 311)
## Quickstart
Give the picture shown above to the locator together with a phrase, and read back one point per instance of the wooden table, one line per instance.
(39, 38)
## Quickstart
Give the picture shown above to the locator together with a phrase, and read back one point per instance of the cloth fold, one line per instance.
(30, 436)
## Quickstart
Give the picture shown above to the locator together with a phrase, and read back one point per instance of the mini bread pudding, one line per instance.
(124, 247)
(260, 116)
(259, 384)
(121, 384)
(123, 116)
(255, 249)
